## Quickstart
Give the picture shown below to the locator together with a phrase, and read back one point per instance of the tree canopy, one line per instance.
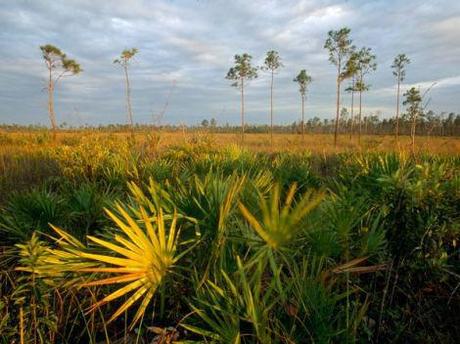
(56, 60)
(272, 61)
(399, 64)
(303, 80)
(125, 56)
(242, 70)
(412, 100)
(339, 45)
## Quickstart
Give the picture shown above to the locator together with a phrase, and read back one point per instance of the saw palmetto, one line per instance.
(279, 223)
(146, 257)
(138, 256)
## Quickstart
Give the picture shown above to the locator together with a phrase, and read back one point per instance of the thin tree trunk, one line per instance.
(51, 113)
(271, 111)
(128, 101)
(360, 108)
(352, 105)
(303, 118)
(397, 109)
(359, 117)
(184, 134)
(337, 104)
(242, 110)
(412, 131)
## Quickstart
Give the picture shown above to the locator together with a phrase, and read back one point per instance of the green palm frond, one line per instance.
(55, 266)
(229, 303)
(279, 224)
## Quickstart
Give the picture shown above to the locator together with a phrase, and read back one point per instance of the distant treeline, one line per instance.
(430, 123)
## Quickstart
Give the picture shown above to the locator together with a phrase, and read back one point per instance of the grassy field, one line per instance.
(190, 237)
(314, 143)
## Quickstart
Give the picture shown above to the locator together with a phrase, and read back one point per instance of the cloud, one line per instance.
(192, 43)
(422, 85)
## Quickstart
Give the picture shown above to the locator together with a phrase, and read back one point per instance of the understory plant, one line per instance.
(229, 246)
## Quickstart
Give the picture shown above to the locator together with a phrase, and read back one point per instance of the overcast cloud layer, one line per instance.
(192, 43)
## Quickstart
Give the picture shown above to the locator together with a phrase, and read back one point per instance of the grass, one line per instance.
(314, 143)
(190, 237)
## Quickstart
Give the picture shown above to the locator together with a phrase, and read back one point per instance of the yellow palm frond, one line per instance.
(141, 259)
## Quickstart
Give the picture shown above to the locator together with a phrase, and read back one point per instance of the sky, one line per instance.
(187, 47)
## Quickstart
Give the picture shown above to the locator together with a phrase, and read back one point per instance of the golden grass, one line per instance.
(25, 141)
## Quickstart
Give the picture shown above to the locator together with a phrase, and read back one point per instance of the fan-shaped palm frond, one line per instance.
(143, 257)
(279, 225)
(147, 257)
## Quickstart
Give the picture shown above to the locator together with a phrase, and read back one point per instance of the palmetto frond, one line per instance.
(147, 257)
(142, 258)
(279, 225)
(53, 265)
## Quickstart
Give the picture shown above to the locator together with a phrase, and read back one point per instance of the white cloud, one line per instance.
(193, 43)
(423, 85)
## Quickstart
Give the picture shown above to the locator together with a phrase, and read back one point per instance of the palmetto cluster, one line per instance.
(267, 251)
(138, 256)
